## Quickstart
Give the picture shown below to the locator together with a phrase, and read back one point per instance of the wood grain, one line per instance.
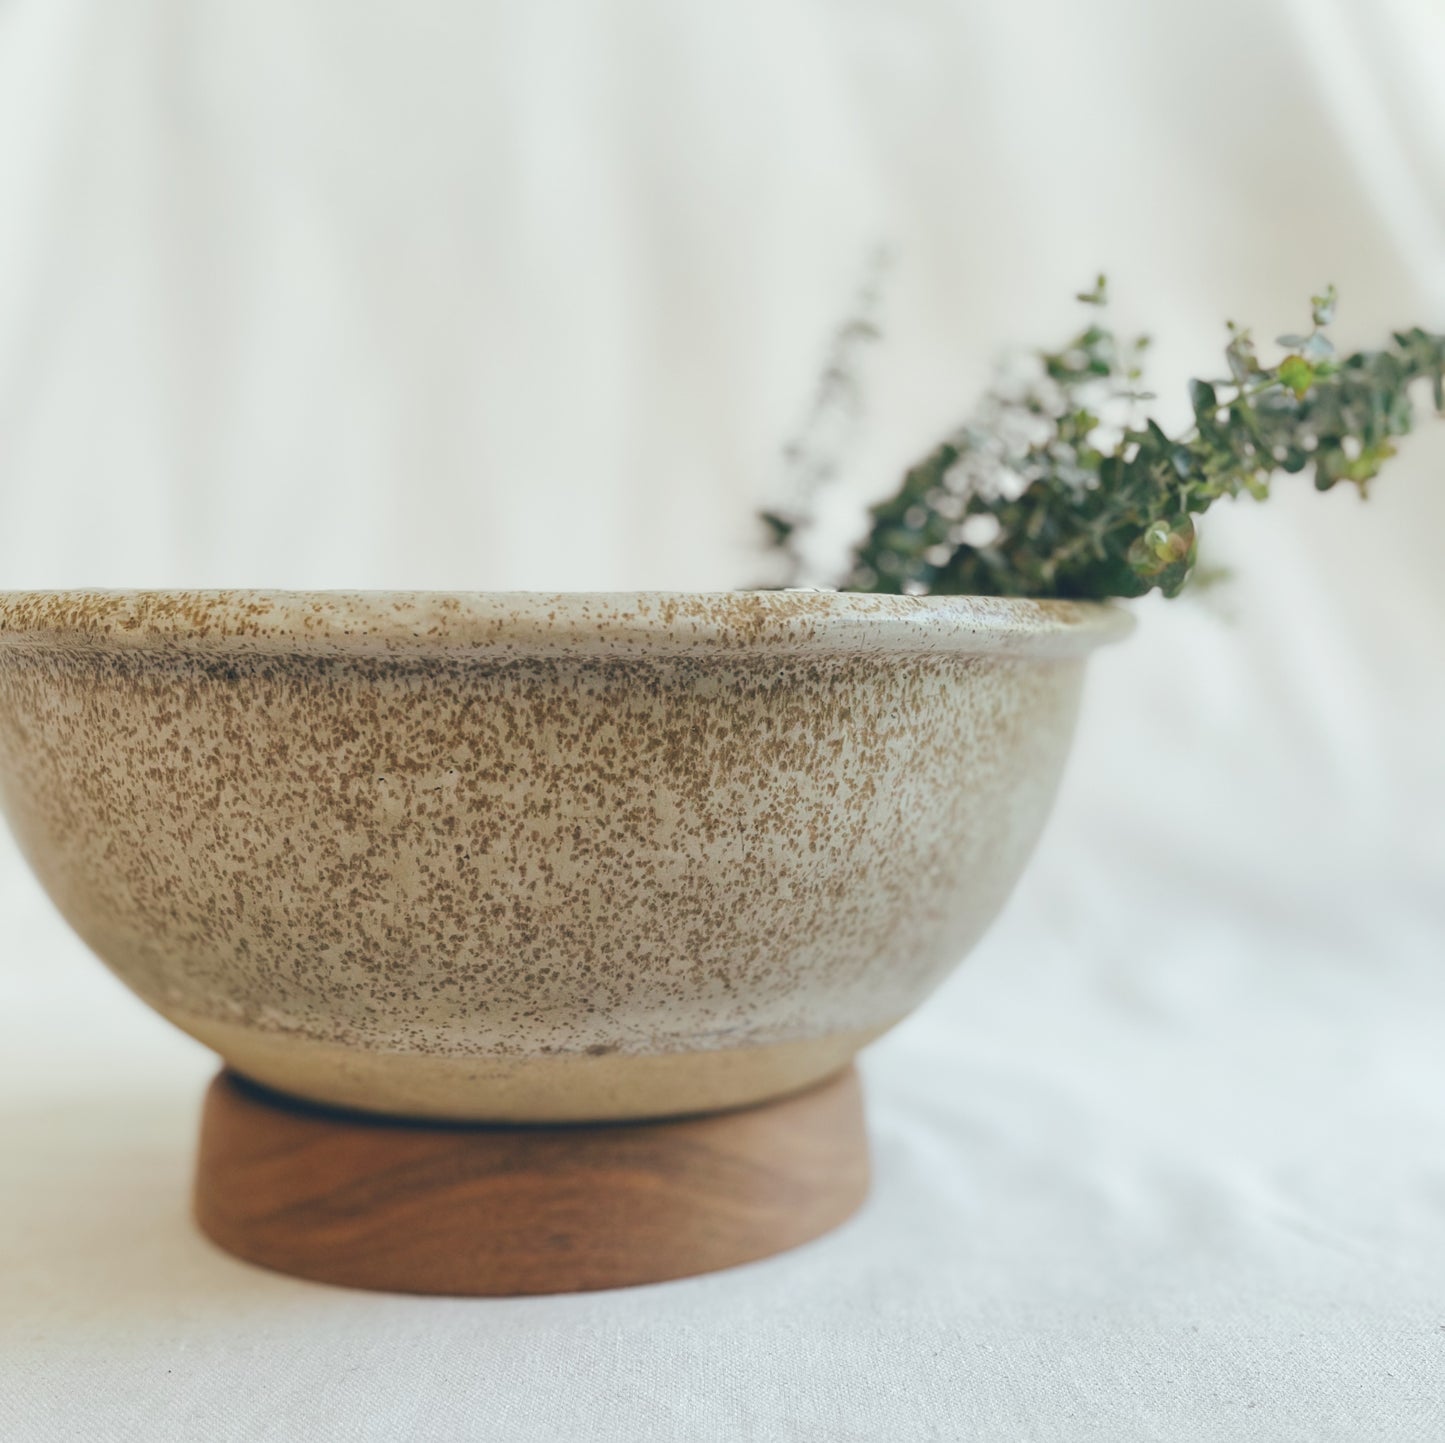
(465, 1210)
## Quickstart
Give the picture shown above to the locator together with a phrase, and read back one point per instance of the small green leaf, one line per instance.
(1330, 465)
(1297, 373)
(780, 527)
(1202, 398)
(1240, 356)
(1164, 551)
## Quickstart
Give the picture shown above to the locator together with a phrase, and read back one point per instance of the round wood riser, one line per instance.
(415, 1207)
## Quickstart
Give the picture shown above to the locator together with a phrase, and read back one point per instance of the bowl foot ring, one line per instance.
(468, 1210)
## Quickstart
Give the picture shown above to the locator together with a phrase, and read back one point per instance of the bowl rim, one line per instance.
(533, 623)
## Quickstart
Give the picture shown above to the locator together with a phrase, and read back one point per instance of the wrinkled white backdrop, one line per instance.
(507, 295)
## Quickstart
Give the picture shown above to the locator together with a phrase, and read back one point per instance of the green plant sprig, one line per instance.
(1059, 488)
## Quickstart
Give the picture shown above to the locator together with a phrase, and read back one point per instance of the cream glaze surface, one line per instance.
(521, 856)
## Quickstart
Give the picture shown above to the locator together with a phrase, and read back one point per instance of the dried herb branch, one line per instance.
(813, 457)
(1058, 487)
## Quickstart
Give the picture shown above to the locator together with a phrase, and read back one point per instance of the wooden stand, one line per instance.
(416, 1207)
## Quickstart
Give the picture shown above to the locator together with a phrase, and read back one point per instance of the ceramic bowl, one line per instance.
(528, 857)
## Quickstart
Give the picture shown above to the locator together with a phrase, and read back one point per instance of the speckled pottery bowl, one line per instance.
(533, 857)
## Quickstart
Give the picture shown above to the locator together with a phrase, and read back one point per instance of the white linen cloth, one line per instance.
(499, 295)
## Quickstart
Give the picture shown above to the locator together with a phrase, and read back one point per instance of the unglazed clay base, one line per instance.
(435, 1208)
(566, 1088)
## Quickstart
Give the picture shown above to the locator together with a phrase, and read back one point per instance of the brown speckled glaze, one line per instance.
(526, 856)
